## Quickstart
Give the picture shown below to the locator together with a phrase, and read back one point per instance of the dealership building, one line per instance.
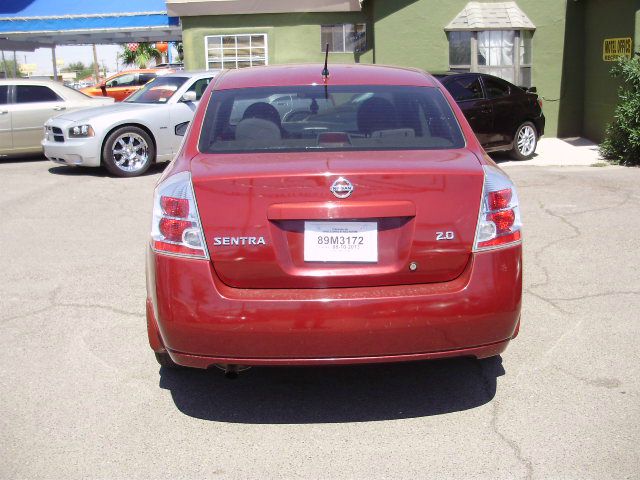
(565, 48)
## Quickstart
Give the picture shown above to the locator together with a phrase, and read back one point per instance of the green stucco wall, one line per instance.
(292, 38)
(411, 32)
(577, 91)
(603, 19)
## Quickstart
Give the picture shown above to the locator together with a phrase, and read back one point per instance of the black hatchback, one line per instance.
(503, 116)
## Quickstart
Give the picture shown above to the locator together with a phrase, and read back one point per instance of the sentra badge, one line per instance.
(217, 241)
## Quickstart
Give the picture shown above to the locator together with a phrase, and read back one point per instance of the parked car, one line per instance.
(375, 231)
(26, 104)
(123, 84)
(128, 137)
(503, 116)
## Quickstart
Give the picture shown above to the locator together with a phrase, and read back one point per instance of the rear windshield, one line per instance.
(333, 118)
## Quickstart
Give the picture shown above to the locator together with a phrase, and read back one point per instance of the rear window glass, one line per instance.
(334, 118)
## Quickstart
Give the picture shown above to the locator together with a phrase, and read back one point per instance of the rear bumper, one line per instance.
(539, 123)
(201, 321)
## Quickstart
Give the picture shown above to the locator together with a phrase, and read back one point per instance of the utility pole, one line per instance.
(96, 67)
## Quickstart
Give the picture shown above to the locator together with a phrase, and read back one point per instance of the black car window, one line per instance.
(35, 93)
(495, 88)
(4, 90)
(144, 78)
(465, 88)
(199, 86)
(354, 117)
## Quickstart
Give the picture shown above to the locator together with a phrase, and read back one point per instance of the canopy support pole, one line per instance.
(55, 64)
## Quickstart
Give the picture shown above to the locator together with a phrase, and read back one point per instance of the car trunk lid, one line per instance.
(419, 208)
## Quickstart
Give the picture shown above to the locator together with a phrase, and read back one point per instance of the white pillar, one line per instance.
(53, 59)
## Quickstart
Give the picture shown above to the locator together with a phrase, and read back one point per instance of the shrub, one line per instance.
(622, 137)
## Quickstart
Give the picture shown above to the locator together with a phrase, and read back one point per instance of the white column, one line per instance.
(53, 59)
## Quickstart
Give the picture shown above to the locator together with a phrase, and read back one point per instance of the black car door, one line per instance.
(467, 91)
(505, 109)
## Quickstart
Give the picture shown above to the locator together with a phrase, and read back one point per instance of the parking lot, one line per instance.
(82, 395)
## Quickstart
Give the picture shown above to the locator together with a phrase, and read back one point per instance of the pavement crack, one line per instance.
(549, 301)
(595, 295)
(537, 253)
(487, 380)
(102, 307)
(601, 382)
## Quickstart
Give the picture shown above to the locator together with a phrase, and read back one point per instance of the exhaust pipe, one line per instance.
(232, 370)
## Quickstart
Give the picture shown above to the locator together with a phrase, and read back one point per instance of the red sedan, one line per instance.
(340, 219)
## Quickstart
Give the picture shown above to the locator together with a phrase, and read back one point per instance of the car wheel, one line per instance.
(128, 152)
(165, 361)
(525, 141)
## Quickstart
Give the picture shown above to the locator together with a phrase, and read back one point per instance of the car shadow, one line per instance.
(330, 394)
(23, 158)
(100, 171)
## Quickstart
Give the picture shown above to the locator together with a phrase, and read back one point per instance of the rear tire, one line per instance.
(128, 152)
(165, 361)
(525, 141)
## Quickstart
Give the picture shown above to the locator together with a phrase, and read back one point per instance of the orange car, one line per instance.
(123, 84)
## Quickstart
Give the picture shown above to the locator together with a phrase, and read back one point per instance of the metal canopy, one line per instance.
(30, 24)
(185, 8)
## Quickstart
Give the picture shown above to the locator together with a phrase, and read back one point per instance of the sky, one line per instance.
(72, 53)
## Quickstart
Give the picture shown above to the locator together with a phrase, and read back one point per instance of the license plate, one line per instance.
(340, 241)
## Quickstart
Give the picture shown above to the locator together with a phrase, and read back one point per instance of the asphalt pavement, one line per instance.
(82, 395)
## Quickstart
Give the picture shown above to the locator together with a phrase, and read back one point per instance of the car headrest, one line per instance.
(257, 130)
(264, 111)
(375, 114)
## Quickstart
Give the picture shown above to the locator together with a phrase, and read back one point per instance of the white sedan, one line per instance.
(25, 104)
(128, 137)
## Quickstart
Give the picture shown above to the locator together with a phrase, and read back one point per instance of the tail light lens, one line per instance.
(176, 227)
(540, 102)
(499, 223)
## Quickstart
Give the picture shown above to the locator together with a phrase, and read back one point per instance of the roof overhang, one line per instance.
(188, 8)
(43, 23)
(491, 16)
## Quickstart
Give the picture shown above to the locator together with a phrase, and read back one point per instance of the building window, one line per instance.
(503, 53)
(236, 51)
(344, 38)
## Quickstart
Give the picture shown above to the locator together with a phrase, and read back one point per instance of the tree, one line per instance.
(80, 69)
(622, 138)
(140, 54)
(8, 66)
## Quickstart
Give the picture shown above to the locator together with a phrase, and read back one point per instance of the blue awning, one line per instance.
(73, 21)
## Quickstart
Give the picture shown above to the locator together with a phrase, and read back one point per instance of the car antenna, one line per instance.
(325, 70)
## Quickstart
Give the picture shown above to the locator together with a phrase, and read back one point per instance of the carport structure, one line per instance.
(29, 24)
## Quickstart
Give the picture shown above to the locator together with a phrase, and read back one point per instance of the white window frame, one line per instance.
(236, 60)
(344, 36)
(517, 64)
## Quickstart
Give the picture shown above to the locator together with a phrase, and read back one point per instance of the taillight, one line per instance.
(540, 102)
(499, 223)
(176, 227)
